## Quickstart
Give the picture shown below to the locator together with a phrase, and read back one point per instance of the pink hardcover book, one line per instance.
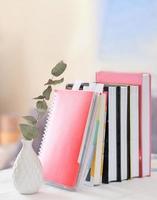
(64, 135)
(143, 80)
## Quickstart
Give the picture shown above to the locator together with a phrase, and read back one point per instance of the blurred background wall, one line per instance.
(128, 36)
(35, 35)
(87, 34)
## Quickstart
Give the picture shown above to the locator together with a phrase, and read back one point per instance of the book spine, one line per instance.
(118, 113)
(128, 137)
(105, 170)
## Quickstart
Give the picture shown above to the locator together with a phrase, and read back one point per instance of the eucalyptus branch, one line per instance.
(29, 130)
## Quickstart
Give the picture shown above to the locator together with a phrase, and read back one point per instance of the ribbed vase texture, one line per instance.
(27, 170)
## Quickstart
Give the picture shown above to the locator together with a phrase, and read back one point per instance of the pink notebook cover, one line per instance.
(129, 79)
(63, 137)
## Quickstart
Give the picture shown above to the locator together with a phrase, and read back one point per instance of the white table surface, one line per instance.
(135, 189)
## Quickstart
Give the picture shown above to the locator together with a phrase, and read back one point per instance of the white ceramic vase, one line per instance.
(27, 170)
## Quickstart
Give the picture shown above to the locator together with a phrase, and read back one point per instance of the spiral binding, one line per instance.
(49, 115)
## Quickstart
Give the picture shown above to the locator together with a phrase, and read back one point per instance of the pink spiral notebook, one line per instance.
(143, 80)
(64, 133)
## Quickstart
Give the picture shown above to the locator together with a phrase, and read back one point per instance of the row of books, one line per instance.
(98, 132)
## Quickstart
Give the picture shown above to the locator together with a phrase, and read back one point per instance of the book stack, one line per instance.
(98, 132)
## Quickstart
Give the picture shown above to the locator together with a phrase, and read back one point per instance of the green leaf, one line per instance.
(30, 119)
(29, 132)
(59, 69)
(55, 82)
(39, 97)
(47, 92)
(49, 82)
(41, 106)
